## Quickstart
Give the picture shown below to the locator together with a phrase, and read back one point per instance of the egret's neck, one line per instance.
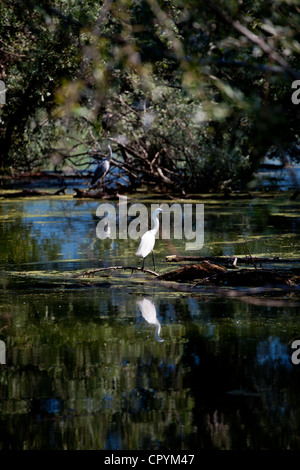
(156, 225)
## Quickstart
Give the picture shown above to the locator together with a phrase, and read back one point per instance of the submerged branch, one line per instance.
(114, 268)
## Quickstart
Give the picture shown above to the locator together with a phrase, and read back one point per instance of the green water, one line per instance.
(82, 368)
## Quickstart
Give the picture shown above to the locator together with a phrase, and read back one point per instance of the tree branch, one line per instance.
(114, 268)
(259, 41)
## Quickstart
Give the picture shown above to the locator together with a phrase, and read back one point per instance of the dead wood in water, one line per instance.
(192, 272)
(91, 272)
(80, 193)
(213, 275)
(216, 276)
(231, 260)
(208, 274)
(251, 278)
(187, 273)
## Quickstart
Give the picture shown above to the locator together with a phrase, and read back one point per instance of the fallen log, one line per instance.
(230, 260)
(250, 278)
(217, 276)
(191, 272)
(187, 273)
(208, 274)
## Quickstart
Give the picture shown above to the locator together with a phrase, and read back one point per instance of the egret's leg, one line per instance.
(143, 263)
(153, 260)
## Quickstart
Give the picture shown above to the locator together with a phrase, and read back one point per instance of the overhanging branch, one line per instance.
(259, 41)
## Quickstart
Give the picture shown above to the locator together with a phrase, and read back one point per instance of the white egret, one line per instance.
(148, 311)
(148, 239)
(102, 169)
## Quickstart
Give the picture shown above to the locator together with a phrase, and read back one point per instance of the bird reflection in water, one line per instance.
(148, 311)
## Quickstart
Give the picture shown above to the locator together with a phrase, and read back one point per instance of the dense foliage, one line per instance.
(193, 94)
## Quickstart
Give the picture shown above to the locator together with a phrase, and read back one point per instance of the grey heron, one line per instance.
(148, 239)
(102, 168)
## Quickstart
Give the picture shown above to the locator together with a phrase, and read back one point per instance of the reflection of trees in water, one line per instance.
(244, 392)
(23, 243)
(93, 376)
(228, 224)
(278, 379)
(97, 384)
(219, 431)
